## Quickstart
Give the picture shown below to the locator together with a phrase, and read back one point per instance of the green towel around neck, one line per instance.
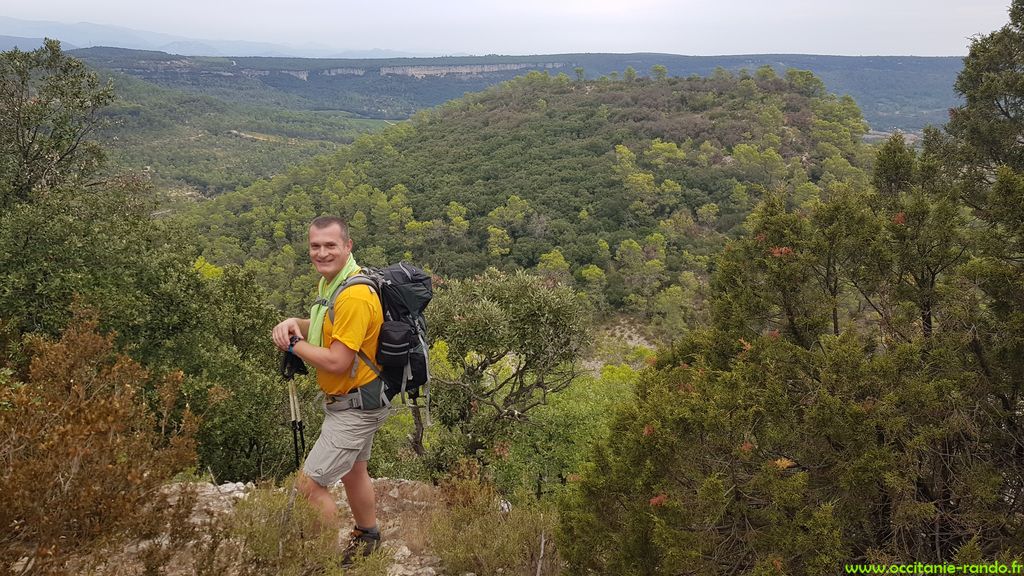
(319, 309)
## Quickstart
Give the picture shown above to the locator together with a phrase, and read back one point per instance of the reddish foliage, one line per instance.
(648, 430)
(780, 251)
(501, 450)
(83, 453)
(900, 218)
(659, 500)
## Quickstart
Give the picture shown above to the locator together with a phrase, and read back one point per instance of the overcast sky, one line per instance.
(698, 27)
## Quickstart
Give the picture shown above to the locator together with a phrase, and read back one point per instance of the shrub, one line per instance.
(480, 533)
(277, 534)
(82, 452)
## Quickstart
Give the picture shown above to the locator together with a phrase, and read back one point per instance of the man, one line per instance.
(353, 408)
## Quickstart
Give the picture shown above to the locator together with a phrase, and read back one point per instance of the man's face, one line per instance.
(328, 250)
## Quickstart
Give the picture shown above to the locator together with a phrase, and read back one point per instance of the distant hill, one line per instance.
(894, 92)
(84, 33)
(189, 143)
(87, 34)
(21, 43)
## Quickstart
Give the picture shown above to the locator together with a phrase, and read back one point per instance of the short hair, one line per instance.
(322, 222)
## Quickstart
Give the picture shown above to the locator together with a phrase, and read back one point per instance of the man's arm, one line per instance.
(337, 359)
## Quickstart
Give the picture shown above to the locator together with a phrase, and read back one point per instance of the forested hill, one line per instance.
(623, 185)
(196, 144)
(894, 92)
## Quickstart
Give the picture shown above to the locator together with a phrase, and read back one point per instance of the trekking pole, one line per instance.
(298, 427)
(290, 366)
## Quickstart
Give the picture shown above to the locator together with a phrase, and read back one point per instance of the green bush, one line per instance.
(474, 533)
(538, 459)
(277, 532)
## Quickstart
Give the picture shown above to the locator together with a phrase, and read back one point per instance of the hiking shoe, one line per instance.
(361, 543)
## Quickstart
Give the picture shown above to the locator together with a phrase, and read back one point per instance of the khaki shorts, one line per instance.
(346, 437)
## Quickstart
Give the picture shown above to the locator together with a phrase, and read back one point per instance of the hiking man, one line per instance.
(353, 410)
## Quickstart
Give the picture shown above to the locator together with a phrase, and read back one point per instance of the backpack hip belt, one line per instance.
(369, 396)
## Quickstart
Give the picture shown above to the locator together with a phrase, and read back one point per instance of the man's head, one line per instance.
(329, 245)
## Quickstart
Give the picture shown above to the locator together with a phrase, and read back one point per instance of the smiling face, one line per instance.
(329, 249)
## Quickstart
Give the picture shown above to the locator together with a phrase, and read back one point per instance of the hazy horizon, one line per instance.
(871, 28)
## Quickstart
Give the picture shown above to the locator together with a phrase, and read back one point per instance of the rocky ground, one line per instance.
(403, 511)
(401, 504)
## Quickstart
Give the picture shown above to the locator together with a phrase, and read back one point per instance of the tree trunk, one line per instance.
(416, 438)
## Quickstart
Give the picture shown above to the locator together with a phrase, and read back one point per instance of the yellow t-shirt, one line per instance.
(357, 321)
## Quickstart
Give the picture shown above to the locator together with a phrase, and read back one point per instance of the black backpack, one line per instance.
(404, 291)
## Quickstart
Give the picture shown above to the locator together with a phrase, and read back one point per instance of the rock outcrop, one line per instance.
(463, 69)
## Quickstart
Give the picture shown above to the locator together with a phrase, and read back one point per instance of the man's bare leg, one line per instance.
(321, 499)
(361, 496)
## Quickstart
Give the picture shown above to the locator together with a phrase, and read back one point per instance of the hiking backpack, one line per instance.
(404, 291)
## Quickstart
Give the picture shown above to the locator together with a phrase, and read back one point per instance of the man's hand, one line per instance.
(337, 358)
(283, 332)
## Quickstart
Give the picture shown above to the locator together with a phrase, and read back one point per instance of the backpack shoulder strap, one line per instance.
(359, 279)
(354, 280)
(366, 360)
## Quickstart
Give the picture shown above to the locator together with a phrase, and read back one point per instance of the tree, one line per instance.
(664, 154)
(49, 106)
(991, 120)
(984, 152)
(498, 241)
(659, 72)
(593, 280)
(511, 341)
(765, 73)
(767, 280)
(707, 214)
(805, 82)
(679, 308)
(762, 167)
(553, 267)
(840, 229)
(894, 167)
(642, 274)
